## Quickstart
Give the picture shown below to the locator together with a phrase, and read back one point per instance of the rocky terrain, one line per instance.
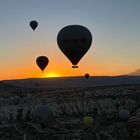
(69, 106)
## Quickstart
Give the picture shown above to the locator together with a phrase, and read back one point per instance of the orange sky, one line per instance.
(114, 26)
(62, 67)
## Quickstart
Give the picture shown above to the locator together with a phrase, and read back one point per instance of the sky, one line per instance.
(114, 24)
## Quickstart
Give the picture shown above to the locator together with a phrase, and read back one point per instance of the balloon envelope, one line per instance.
(33, 24)
(43, 114)
(86, 75)
(42, 62)
(36, 84)
(74, 41)
(124, 115)
(134, 122)
(88, 120)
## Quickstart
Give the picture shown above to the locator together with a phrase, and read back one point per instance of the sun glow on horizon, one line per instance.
(51, 75)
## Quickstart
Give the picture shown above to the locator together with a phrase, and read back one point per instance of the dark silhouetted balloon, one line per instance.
(86, 75)
(36, 84)
(124, 115)
(42, 62)
(74, 41)
(33, 24)
(43, 114)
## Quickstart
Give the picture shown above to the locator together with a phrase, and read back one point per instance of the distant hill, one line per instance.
(134, 73)
(72, 82)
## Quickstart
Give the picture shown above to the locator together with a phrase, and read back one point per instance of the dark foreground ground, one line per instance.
(69, 106)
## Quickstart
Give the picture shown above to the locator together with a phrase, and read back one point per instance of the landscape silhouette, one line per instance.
(69, 70)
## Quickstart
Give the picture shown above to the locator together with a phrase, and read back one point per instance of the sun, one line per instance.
(51, 75)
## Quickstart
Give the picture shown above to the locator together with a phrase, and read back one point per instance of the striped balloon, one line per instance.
(42, 62)
(134, 122)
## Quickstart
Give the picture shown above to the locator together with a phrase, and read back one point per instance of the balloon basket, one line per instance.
(74, 66)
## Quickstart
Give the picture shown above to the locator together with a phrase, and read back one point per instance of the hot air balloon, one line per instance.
(36, 84)
(43, 114)
(33, 24)
(74, 41)
(42, 62)
(124, 115)
(88, 120)
(86, 75)
(133, 126)
(134, 122)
